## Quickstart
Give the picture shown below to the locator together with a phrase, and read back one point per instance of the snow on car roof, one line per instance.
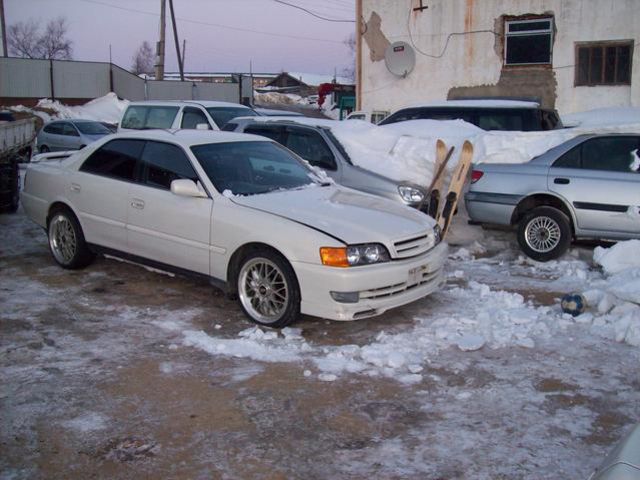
(188, 138)
(484, 103)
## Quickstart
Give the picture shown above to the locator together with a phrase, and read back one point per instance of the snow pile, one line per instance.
(603, 116)
(108, 108)
(492, 319)
(616, 298)
(279, 98)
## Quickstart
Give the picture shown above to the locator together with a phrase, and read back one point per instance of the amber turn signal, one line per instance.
(334, 257)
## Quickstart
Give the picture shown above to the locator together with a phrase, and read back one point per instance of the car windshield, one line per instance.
(92, 128)
(221, 115)
(249, 168)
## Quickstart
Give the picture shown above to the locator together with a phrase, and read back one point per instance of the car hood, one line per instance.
(350, 216)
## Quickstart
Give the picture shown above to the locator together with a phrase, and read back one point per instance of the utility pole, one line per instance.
(4, 30)
(184, 49)
(358, 54)
(159, 66)
(175, 38)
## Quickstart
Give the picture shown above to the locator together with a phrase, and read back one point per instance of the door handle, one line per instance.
(561, 181)
(137, 203)
(75, 187)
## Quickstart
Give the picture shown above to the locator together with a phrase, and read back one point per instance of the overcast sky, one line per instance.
(221, 35)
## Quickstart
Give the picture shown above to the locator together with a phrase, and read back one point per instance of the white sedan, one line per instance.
(245, 213)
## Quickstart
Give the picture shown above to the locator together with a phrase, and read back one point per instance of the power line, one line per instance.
(197, 22)
(315, 14)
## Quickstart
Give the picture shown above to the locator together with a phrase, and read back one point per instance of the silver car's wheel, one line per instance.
(542, 234)
(268, 290)
(66, 240)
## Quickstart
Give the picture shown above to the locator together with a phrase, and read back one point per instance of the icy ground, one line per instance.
(119, 372)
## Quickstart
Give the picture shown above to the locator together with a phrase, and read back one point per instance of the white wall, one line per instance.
(471, 60)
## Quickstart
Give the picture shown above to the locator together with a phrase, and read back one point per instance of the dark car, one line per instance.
(509, 115)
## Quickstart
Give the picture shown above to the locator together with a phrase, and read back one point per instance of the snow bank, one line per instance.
(603, 116)
(102, 109)
(621, 256)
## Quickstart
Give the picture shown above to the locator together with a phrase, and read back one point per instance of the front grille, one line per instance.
(398, 288)
(413, 246)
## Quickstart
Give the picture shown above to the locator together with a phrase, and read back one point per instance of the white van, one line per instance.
(188, 114)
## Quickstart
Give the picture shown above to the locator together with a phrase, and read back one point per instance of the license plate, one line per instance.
(415, 274)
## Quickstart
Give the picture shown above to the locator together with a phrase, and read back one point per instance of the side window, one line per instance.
(163, 163)
(614, 154)
(571, 159)
(115, 159)
(54, 128)
(311, 146)
(269, 131)
(192, 116)
(69, 130)
(144, 116)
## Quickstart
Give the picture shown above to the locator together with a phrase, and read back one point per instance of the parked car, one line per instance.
(242, 211)
(374, 117)
(486, 114)
(62, 135)
(586, 188)
(272, 112)
(623, 462)
(180, 114)
(315, 143)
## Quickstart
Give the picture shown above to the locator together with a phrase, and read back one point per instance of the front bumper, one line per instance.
(380, 287)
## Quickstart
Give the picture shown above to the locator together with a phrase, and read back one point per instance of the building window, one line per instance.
(528, 42)
(604, 63)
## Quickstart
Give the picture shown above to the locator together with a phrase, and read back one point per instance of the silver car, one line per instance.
(586, 188)
(69, 135)
(317, 145)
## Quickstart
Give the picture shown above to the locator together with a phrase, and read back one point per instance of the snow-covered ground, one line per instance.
(119, 368)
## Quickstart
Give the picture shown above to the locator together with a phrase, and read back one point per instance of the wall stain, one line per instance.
(375, 39)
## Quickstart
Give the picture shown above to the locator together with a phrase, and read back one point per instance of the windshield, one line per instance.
(92, 128)
(249, 168)
(221, 115)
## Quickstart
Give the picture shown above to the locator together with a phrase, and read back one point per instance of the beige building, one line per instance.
(569, 54)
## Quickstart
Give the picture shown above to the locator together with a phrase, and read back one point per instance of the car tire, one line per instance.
(44, 149)
(66, 240)
(544, 233)
(268, 289)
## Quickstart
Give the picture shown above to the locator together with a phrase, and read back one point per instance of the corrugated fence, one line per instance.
(65, 79)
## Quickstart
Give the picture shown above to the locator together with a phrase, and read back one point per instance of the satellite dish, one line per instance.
(400, 58)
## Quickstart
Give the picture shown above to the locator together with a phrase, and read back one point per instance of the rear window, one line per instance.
(142, 117)
(221, 115)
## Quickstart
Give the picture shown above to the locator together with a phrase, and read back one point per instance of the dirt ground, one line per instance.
(96, 384)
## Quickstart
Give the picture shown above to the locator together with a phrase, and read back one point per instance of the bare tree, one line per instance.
(143, 59)
(22, 39)
(25, 40)
(54, 43)
(350, 70)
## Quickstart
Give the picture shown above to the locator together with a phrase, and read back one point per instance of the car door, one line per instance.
(597, 179)
(164, 227)
(99, 191)
(70, 137)
(311, 145)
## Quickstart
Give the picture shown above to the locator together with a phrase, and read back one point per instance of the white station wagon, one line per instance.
(242, 211)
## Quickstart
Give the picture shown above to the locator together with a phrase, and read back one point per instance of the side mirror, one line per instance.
(203, 126)
(187, 188)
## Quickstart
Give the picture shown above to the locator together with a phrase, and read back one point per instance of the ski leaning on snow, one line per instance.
(442, 158)
(455, 188)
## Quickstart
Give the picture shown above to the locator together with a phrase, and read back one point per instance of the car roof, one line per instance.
(306, 121)
(480, 103)
(188, 138)
(179, 103)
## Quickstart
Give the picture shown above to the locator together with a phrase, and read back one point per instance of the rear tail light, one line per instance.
(476, 175)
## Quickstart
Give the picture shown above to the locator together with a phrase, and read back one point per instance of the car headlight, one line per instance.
(410, 194)
(437, 234)
(354, 255)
